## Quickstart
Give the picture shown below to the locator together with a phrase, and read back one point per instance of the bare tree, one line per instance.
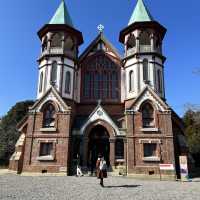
(193, 107)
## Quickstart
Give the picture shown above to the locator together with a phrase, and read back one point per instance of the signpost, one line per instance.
(184, 168)
(166, 167)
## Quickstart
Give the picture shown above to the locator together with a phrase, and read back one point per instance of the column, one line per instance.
(112, 152)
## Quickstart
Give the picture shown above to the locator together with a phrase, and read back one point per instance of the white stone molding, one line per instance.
(100, 114)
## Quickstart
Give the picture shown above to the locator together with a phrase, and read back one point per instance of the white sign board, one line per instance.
(166, 167)
(184, 168)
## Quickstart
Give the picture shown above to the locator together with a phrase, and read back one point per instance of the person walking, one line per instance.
(101, 169)
(78, 168)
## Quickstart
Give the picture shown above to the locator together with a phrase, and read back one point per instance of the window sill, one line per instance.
(119, 160)
(151, 159)
(149, 129)
(48, 129)
(45, 158)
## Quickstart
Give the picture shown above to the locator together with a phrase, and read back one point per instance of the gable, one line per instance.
(99, 114)
(100, 43)
(50, 95)
(100, 60)
(149, 94)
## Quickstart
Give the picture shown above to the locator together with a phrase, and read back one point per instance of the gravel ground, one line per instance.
(88, 188)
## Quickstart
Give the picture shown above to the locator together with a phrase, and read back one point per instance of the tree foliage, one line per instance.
(192, 124)
(8, 131)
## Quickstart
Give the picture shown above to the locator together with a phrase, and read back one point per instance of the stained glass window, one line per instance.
(100, 77)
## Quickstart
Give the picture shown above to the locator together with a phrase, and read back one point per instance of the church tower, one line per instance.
(59, 54)
(143, 59)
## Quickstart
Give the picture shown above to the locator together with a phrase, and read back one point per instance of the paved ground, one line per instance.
(88, 188)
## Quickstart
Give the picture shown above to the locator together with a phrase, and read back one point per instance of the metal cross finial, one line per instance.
(99, 102)
(100, 27)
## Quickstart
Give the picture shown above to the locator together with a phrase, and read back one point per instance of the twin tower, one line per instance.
(141, 64)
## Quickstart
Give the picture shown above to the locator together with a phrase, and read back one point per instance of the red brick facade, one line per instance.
(64, 144)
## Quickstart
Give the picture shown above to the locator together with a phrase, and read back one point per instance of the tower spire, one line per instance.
(62, 15)
(140, 13)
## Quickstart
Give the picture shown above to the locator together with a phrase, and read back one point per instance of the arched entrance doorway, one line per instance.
(98, 143)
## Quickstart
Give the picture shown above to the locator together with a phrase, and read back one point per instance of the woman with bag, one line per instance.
(101, 169)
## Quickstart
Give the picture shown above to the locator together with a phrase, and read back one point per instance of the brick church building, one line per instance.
(100, 102)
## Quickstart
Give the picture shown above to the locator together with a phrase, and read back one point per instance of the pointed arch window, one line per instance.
(131, 81)
(145, 71)
(159, 75)
(41, 82)
(54, 73)
(49, 116)
(44, 44)
(147, 115)
(131, 42)
(69, 44)
(56, 40)
(145, 42)
(67, 82)
(145, 39)
(100, 79)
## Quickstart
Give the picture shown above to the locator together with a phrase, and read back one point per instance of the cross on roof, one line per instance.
(100, 27)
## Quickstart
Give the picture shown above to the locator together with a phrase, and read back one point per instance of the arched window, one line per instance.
(100, 79)
(145, 39)
(49, 116)
(147, 115)
(41, 82)
(131, 42)
(131, 81)
(56, 40)
(54, 73)
(159, 80)
(145, 70)
(69, 44)
(67, 82)
(44, 44)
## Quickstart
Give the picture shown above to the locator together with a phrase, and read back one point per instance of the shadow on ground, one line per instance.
(122, 186)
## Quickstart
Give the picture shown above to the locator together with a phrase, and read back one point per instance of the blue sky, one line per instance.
(20, 47)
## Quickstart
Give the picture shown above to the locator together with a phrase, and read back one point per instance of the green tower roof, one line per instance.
(62, 15)
(140, 13)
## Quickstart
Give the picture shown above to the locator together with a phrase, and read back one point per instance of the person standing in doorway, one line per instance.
(101, 169)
